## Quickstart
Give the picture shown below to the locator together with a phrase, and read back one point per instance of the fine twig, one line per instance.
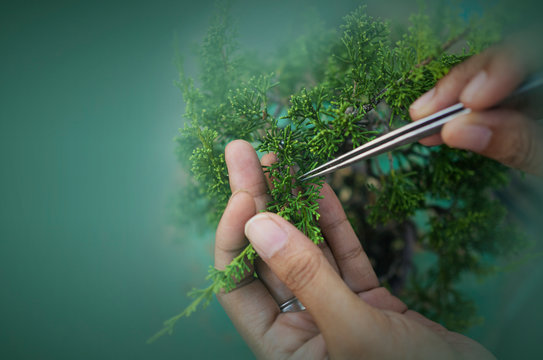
(377, 98)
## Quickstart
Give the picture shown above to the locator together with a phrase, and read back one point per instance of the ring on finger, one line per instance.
(291, 305)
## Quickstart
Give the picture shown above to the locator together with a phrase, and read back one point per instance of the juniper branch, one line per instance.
(323, 119)
(377, 98)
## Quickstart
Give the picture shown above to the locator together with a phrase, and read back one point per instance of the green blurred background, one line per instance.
(90, 263)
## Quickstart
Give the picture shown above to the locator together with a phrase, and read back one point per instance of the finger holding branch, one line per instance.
(350, 327)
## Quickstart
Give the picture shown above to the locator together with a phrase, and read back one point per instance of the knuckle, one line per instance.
(507, 62)
(302, 269)
(526, 156)
(337, 223)
(521, 152)
(351, 254)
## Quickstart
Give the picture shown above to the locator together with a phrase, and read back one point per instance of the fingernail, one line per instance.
(473, 137)
(423, 100)
(265, 235)
(474, 86)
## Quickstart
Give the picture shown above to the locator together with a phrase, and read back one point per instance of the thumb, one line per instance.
(351, 328)
(302, 267)
(503, 135)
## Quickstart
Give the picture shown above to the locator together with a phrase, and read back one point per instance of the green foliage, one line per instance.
(397, 200)
(209, 167)
(338, 93)
(291, 198)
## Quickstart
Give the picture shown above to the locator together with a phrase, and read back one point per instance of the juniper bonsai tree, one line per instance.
(325, 93)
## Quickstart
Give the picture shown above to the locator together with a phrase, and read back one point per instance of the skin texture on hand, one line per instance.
(479, 83)
(348, 314)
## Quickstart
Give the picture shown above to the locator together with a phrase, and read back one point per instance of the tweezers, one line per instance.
(408, 134)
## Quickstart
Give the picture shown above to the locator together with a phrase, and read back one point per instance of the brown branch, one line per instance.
(391, 162)
(444, 47)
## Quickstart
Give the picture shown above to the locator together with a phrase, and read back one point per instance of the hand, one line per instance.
(348, 314)
(480, 83)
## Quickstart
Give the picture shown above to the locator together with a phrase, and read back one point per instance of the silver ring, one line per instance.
(292, 305)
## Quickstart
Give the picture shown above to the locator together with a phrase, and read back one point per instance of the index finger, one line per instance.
(353, 263)
(245, 172)
(447, 90)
